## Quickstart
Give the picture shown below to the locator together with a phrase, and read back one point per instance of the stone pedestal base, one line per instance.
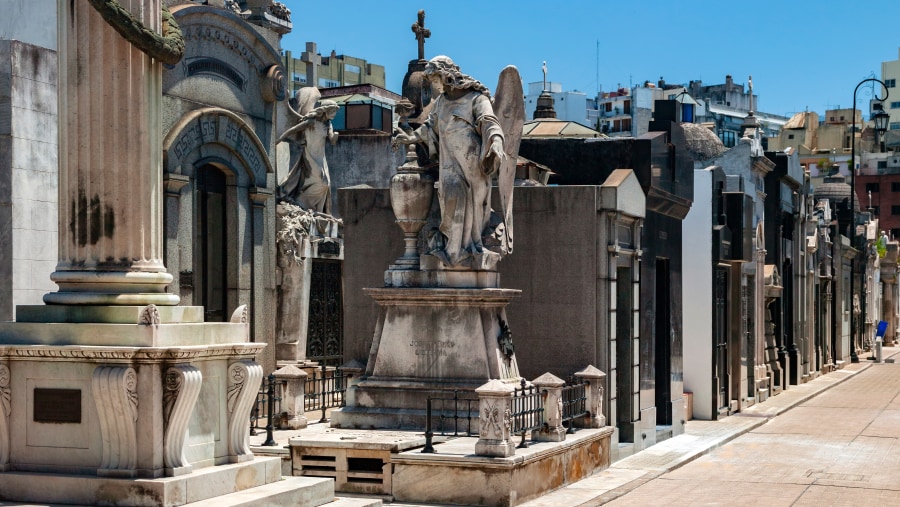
(137, 392)
(430, 342)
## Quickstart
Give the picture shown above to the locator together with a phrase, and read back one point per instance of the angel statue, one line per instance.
(308, 182)
(474, 138)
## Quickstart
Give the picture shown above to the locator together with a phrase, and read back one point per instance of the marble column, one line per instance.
(110, 196)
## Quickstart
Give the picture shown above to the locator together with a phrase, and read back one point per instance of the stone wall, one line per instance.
(28, 174)
(361, 159)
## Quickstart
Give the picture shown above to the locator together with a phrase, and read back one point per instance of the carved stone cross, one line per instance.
(422, 33)
(313, 60)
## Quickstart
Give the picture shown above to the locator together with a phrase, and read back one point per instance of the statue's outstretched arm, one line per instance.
(168, 48)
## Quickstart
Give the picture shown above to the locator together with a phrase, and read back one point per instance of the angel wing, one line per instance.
(509, 107)
(304, 100)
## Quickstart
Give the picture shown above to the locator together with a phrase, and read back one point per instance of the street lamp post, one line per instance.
(880, 123)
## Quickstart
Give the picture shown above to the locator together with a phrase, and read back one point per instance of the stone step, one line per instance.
(343, 501)
(295, 491)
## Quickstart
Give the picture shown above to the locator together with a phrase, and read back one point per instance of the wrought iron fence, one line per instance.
(324, 390)
(444, 415)
(574, 403)
(527, 410)
(267, 405)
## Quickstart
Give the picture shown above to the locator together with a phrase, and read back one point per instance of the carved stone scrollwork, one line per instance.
(240, 315)
(115, 395)
(273, 85)
(5, 409)
(244, 378)
(180, 391)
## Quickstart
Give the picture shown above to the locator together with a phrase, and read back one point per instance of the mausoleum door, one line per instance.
(663, 349)
(325, 335)
(721, 338)
(213, 242)
(625, 402)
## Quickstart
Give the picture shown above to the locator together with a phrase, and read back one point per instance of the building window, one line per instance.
(882, 164)
(871, 187)
(351, 68)
(627, 107)
(895, 186)
(895, 233)
(895, 210)
(328, 83)
(890, 83)
(876, 210)
(895, 125)
(728, 137)
(790, 136)
(895, 105)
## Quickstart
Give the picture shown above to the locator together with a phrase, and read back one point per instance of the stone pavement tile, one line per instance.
(887, 424)
(710, 492)
(817, 496)
(821, 421)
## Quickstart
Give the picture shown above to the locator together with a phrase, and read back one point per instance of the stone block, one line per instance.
(34, 95)
(22, 211)
(41, 156)
(6, 261)
(5, 116)
(34, 125)
(44, 216)
(33, 62)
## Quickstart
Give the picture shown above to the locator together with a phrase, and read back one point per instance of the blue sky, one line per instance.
(801, 53)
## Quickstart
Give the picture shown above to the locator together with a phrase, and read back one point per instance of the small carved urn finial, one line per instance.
(411, 193)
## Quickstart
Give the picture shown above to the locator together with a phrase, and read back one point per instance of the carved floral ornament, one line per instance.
(5, 403)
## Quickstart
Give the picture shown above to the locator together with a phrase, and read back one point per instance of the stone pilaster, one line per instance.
(553, 430)
(5, 410)
(495, 420)
(292, 397)
(110, 154)
(244, 379)
(181, 389)
(596, 380)
(114, 389)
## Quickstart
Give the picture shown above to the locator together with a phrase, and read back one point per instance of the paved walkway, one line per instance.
(836, 446)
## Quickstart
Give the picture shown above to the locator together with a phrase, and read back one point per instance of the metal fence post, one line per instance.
(270, 409)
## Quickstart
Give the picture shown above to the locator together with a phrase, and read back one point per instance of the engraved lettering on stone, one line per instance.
(429, 348)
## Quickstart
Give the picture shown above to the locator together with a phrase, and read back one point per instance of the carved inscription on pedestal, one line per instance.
(57, 406)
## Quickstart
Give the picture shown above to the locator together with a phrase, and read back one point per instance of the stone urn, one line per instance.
(411, 193)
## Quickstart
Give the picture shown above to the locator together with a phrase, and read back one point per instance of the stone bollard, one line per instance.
(292, 397)
(553, 430)
(353, 371)
(596, 381)
(495, 420)
(879, 358)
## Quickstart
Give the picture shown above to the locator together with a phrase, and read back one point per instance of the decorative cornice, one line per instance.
(129, 354)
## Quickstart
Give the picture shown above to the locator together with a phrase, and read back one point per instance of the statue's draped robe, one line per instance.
(460, 130)
(309, 182)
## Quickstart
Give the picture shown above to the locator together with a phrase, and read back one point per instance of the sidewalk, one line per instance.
(699, 438)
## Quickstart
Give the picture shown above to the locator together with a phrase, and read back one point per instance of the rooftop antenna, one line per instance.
(598, 66)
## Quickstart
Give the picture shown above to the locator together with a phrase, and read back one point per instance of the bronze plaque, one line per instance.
(57, 405)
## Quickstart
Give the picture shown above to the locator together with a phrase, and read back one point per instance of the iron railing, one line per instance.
(444, 415)
(266, 406)
(527, 410)
(324, 391)
(574, 403)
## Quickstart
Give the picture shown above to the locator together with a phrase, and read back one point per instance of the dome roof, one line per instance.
(702, 143)
(836, 190)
